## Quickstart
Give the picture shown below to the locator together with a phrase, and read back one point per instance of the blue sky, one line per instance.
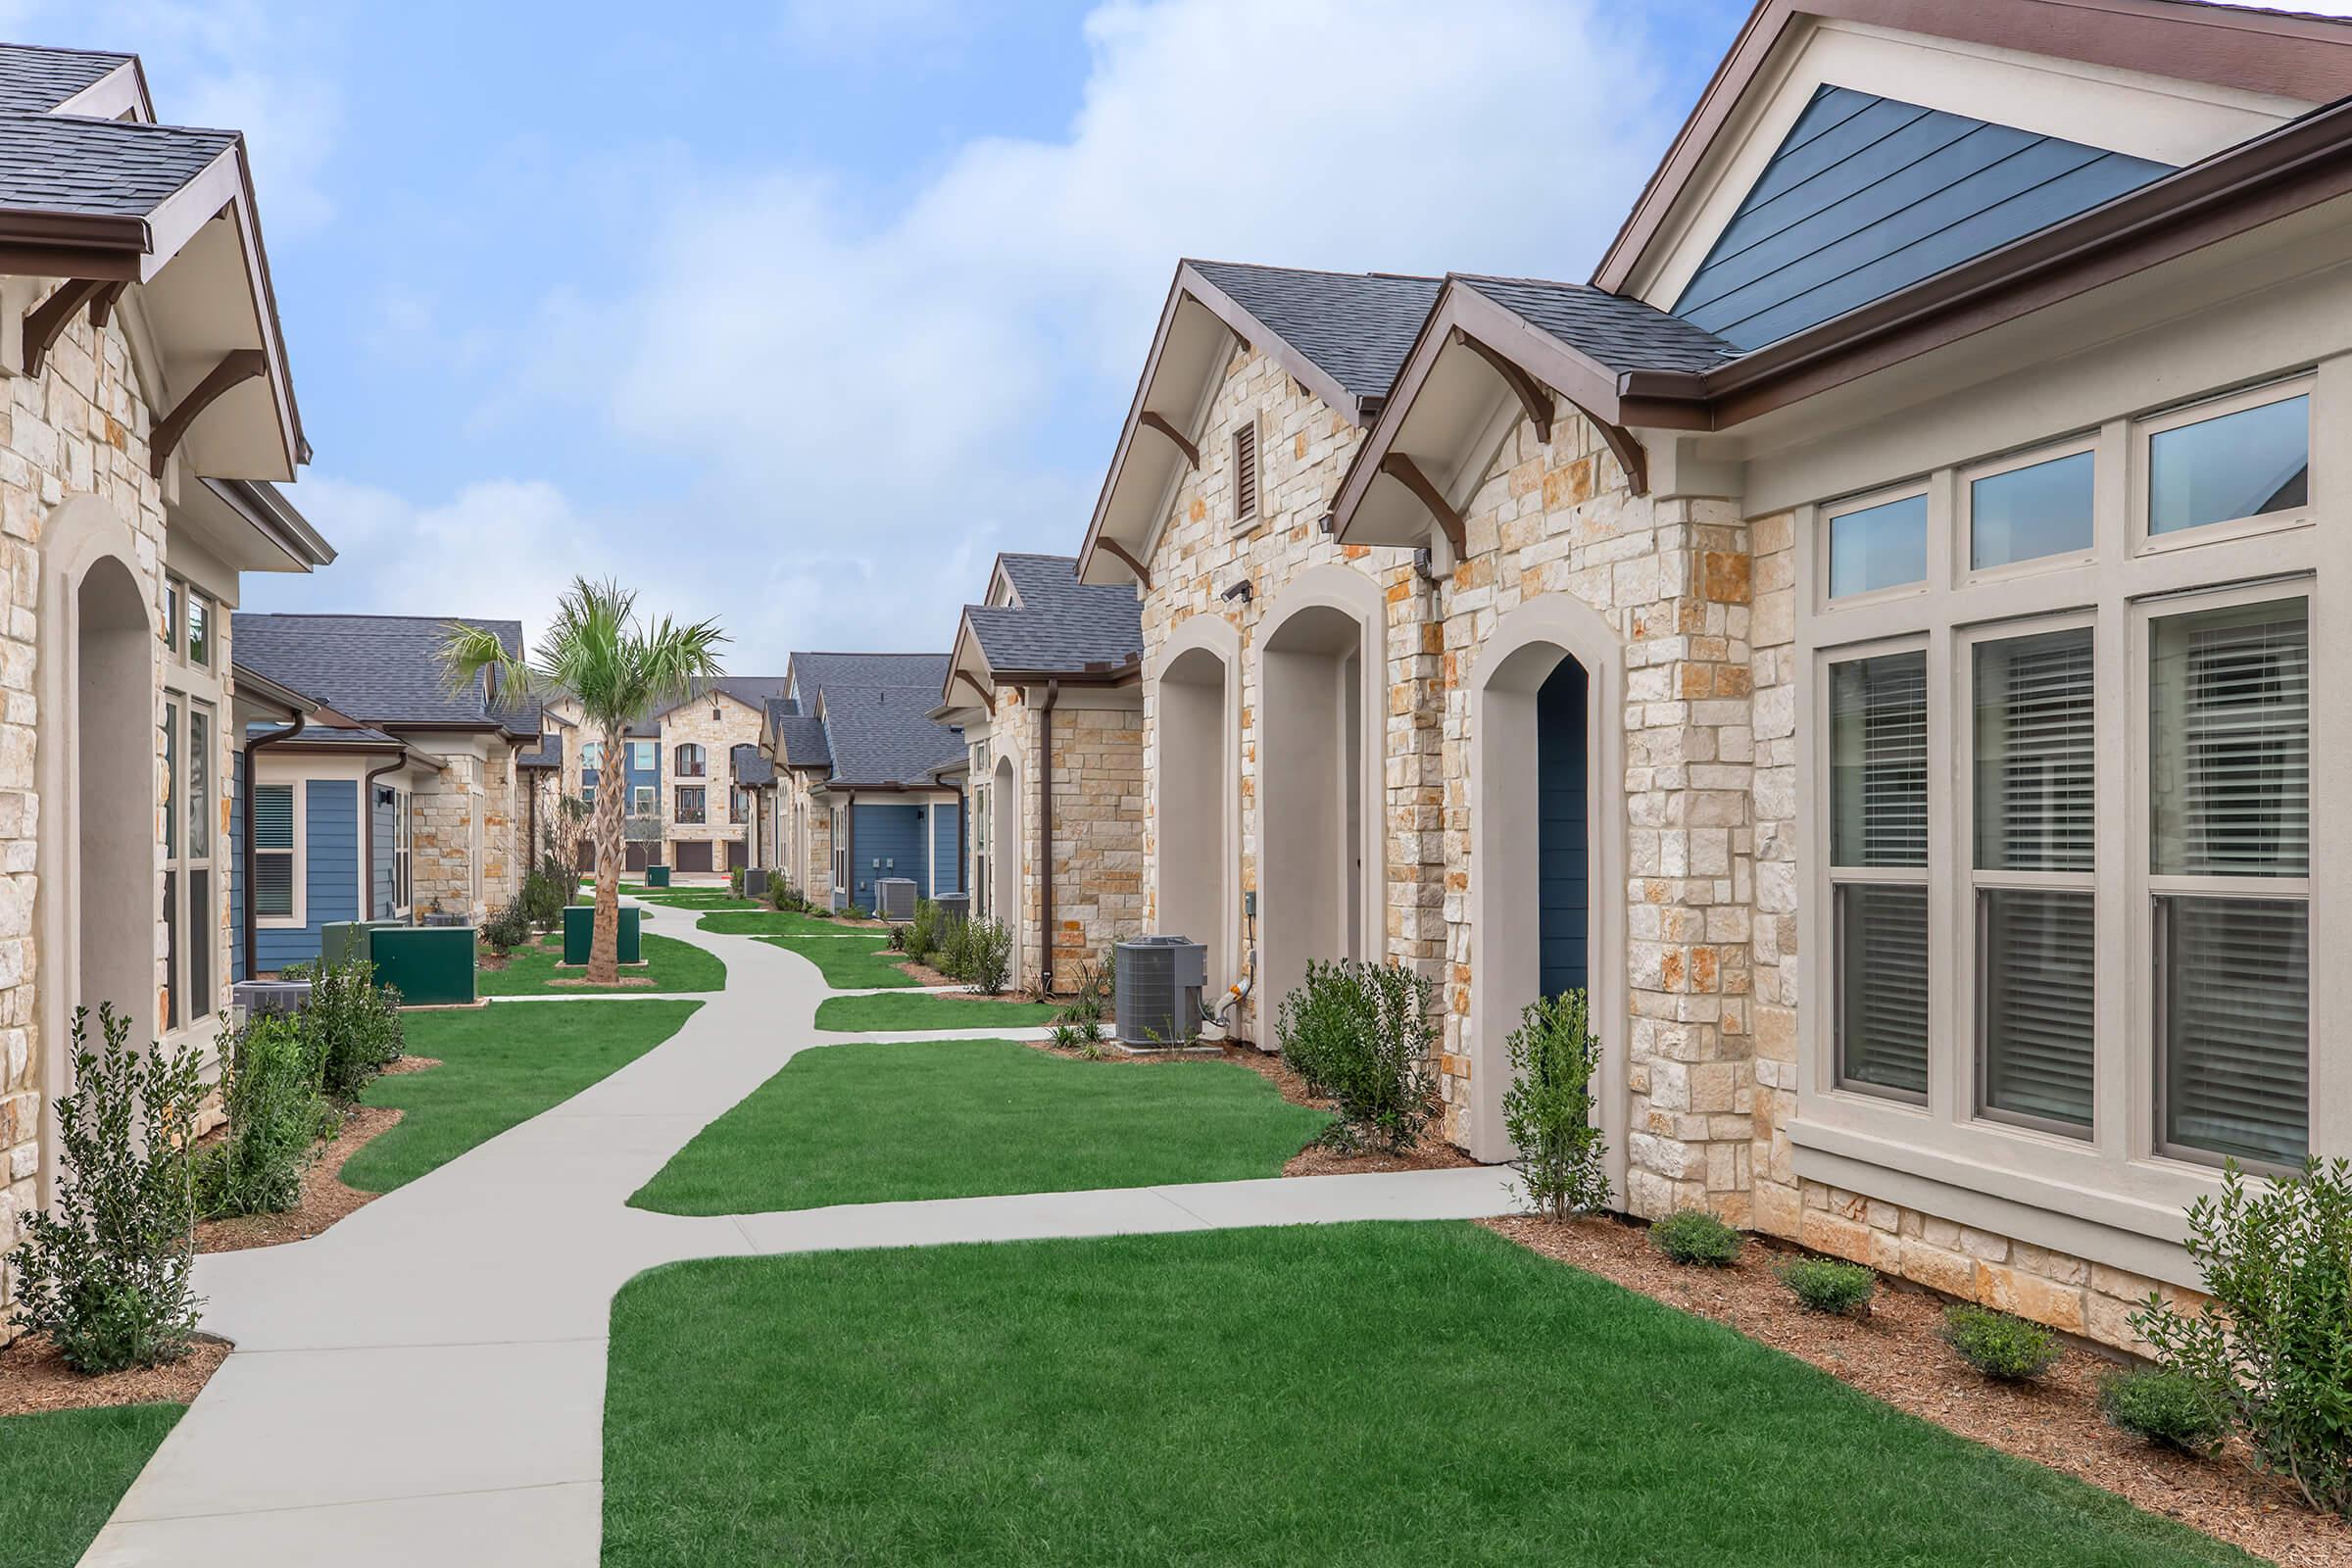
(793, 314)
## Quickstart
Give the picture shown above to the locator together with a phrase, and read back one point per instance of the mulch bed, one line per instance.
(35, 1381)
(1897, 1354)
(325, 1198)
(624, 983)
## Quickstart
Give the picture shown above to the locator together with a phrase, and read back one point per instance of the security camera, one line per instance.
(1240, 590)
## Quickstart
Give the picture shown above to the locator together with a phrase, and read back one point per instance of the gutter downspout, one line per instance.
(1045, 838)
(367, 833)
(251, 920)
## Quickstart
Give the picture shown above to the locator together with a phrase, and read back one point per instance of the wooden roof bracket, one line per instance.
(1159, 421)
(236, 367)
(101, 302)
(1407, 472)
(988, 698)
(46, 321)
(1533, 395)
(1118, 553)
(1628, 453)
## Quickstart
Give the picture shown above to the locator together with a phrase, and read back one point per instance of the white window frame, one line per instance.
(2180, 417)
(644, 756)
(1964, 522)
(299, 854)
(404, 887)
(1864, 501)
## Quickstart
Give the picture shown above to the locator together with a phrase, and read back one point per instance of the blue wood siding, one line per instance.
(1867, 195)
(380, 904)
(892, 835)
(942, 851)
(330, 847)
(237, 868)
(1563, 886)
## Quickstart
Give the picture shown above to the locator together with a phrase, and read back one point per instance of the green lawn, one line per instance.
(500, 1067)
(1380, 1396)
(848, 964)
(670, 964)
(870, 1123)
(695, 899)
(61, 1473)
(925, 1010)
(776, 923)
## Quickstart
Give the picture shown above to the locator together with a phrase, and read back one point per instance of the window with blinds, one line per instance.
(274, 851)
(1878, 859)
(2036, 740)
(2229, 782)
(1245, 471)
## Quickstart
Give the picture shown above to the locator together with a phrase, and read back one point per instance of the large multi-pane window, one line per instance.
(690, 803)
(1878, 870)
(2229, 870)
(191, 910)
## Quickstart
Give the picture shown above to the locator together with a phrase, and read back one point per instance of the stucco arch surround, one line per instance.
(95, 769)
(1196, 717)
(1527, 643)
(1319, 621)
(1009, 852)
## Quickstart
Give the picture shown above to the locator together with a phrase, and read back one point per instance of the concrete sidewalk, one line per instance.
(425, 1382)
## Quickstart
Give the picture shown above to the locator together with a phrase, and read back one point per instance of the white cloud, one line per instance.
(877, 405)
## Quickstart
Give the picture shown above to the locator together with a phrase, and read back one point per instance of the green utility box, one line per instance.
(432, 965)
(579, 930)
(657, 876)
(342, 941)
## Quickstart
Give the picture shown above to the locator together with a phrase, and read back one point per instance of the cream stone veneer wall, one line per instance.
(1099, 824)
(738, 724)
(466, 828)
(74, 451)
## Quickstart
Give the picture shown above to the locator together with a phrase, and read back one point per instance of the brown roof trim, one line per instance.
(2300, 57)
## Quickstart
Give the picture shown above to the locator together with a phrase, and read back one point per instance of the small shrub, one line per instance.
(897, 939)
(1361, 1034)
(2276, 1346)
(988, 956)
(781, 895)
(1548, 1109)
(1694, 1236)
(735, 881)
(856, 912)
(2008, 1350)
(1079, 1025)
(270, 1082)
(954, 956)
(2168, 1410)
(104, 1271)
(1826, 1285)
(352, 1026)
(508, 928)
(923, 932)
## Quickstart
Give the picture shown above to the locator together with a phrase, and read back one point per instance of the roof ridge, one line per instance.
(1313, 271)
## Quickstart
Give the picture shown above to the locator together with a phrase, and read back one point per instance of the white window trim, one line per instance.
(1847, 506)
(299, 792)
(2144, 430)
(1963, 525)
(644, 798)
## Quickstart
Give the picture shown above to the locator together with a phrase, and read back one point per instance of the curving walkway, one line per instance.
(425, 1382)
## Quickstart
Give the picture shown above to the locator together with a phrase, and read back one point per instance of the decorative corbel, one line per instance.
(236, 367)
(46, 321)
(988, 698)
(1628, 453)
(1153, 421)
(101, 302)
(1407, 472)
(1118, 552)
(1533, 395)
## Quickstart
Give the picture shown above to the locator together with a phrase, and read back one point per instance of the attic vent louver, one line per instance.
(1245, 471)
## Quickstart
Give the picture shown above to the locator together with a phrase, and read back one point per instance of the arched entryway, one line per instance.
(1548, 858)
(97, 767)
(1194, 786)
(1320, 879)
(1005, 852)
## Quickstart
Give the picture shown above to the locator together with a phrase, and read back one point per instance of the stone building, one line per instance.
(1043, 683)
(445, 827)
(687, 809)
(1864, 635)
(146, 417)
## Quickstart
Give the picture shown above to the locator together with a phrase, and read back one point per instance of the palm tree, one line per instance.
(617, 669)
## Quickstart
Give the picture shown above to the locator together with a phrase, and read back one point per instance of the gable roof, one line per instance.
(380, 669)
(800, 741)
(752, 691)
(748, 767)
(35, 80)
(816, 672)
(1353, 326)
(880, 736)
(1056, 624)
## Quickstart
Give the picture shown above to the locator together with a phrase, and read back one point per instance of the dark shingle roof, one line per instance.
(816, 672)
(1358, 327)
(380, 669)
(34, 79)
(879, 735)
(1059, 624)
(751, 770)
(67, 164)
(1619, 334)
(801, 739)
(549, 753)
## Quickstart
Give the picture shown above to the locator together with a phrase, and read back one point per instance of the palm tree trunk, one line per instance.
(612, 787)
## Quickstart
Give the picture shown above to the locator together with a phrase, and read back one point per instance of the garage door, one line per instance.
(739, 854)
(694, 856)
(632, 858)
(587, 858)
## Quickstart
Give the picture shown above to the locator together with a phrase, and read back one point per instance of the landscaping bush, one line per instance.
(508, 928)
(2277, 1344)
(104, 1271)
(1079, 1025)
(2168, 1410)
(2006, 1349)
(544, 897)
(351, 1025)
(270, 1082)
(782, 896)
(897, 941)
(735, 881)
(1361, 1034)
(954, 956)
(856, 912)
(1694, 1236)
(1547, 1111)
(922, 932)
(987, 957)
(1826, 1285)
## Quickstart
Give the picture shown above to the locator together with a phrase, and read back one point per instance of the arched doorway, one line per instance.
(97, 769)
(1196, 851)
(1546, 873)
(1005, 852)
(1319, 790)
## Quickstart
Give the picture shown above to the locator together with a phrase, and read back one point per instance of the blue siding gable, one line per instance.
(330, 841)
(1867, 195)
(892, 835)
(943, 820)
